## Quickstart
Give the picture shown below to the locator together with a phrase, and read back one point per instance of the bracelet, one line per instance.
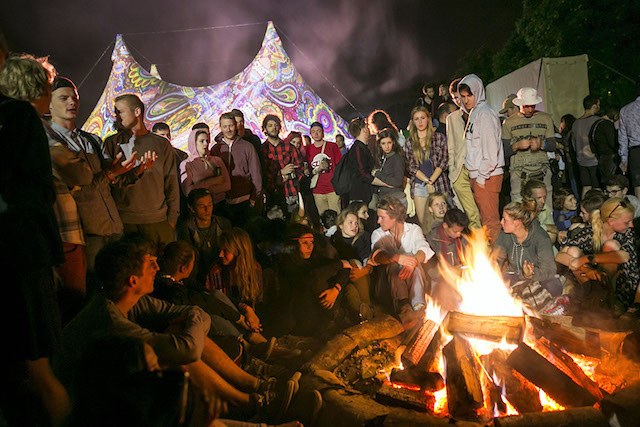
(112, 179)
(338, 287)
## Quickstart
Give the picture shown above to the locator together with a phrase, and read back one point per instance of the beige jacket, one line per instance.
(456, 143)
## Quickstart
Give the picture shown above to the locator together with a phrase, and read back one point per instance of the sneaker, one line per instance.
(258, 368)
(275, 401)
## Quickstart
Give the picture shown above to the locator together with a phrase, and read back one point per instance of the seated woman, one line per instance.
(436, 208)
(604, 251)
(390, 177)
(353, 245)
(362, 212)
(526, 251)
(202, 170)
(310, 284)
(227, 320)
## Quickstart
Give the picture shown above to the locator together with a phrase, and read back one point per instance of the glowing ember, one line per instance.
(440, 407)
(587, 364)
(548, 404)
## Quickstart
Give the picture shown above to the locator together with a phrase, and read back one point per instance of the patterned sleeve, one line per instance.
(629, 272)
(440, 151)
(583, 240)
(411, 160)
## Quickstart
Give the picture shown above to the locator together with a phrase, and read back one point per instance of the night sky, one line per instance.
(377, 53)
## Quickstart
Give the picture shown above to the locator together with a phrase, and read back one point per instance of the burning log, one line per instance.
(410, 398)
(548, 377)
(624, 404)
(427, 381)
(419, 349)
(583, 417)
(566, 364)
(490, 328)
(517, 389)
(464, 391)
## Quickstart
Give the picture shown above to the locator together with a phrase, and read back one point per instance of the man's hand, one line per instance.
(479, 185)
(357, 273)
(290, 168)
(328, 298)
(623, 167)
(118, 168)
(408, 264)
(147, 161)
(535, 143)
(527, 269)
(523, 144)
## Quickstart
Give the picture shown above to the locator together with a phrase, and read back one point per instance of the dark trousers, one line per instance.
(159, 233)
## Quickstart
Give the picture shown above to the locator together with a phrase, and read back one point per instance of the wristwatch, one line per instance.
(592, 259)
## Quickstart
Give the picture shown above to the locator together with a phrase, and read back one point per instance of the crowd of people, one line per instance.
(143, 274)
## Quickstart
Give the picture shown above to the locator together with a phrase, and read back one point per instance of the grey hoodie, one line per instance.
(485, 155)
(536, 249)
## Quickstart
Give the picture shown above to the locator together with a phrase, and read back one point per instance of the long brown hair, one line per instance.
(244, 270)
(415, 139)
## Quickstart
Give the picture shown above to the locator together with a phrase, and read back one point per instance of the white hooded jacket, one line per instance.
(485, 155)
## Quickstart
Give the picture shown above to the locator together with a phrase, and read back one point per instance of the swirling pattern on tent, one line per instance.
(270, 84)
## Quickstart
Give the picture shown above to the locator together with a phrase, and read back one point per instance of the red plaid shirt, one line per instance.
(276, 158)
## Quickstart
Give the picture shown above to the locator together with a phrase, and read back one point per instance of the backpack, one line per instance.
(343, 175)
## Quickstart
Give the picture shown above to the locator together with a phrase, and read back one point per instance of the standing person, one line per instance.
(98, 212)
(572, 176)
(629, 140)
(485, 156)
(529, 135)
(282, 167)
(243, 163)
(202, 170)
(323, 156)
(603, 139)
(149, 201)
(401, 247)
(246, 133)
(30, 394)
(390, 177)
(587, 161)
(378, 120)
(457, 147)
(360, 162)
(341, 145)
(428, 158)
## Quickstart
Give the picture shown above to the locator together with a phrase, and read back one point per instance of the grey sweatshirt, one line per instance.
(536, 249)
(155, 195)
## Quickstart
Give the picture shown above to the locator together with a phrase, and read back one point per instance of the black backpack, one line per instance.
(343, 175)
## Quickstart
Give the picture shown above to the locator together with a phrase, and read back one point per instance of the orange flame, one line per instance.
(548, 404)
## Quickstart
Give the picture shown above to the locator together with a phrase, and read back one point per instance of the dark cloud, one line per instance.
(374, 52)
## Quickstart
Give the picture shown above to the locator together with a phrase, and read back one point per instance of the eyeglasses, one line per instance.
(617, 190)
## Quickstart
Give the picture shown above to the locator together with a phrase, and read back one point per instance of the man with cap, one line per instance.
(509, 108)
(323, 156)
(527, 137)
(97, 210)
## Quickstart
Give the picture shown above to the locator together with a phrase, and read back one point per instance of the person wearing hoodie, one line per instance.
(485, 156)
(243, 164)
(525, 248)
(202, 170)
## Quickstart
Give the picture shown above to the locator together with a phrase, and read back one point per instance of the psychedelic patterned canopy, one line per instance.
(269, 85)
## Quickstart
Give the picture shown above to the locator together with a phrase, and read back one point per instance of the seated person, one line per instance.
(604, 251)
(618, 186)
(328, 220)
(401, 248)
(436, 208)
(202, 230)
(310, 284)
(362, 212)
(588, 205)
(536, 190)
(526, 252)
(565, 207)
(176, 264)
(353, 245)
(389, 178)
(448, 242)
(178, 334)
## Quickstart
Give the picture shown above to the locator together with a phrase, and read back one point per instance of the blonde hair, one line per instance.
(342, 217)
(429, 219)
(525, 211)
(612, 208)
(244, 273)
(26, 78)
(415, 139)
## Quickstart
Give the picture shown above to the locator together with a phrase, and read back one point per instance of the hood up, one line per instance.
(191, 143)
(477, 89)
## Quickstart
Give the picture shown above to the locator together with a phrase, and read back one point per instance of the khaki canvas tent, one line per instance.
(561, 82)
